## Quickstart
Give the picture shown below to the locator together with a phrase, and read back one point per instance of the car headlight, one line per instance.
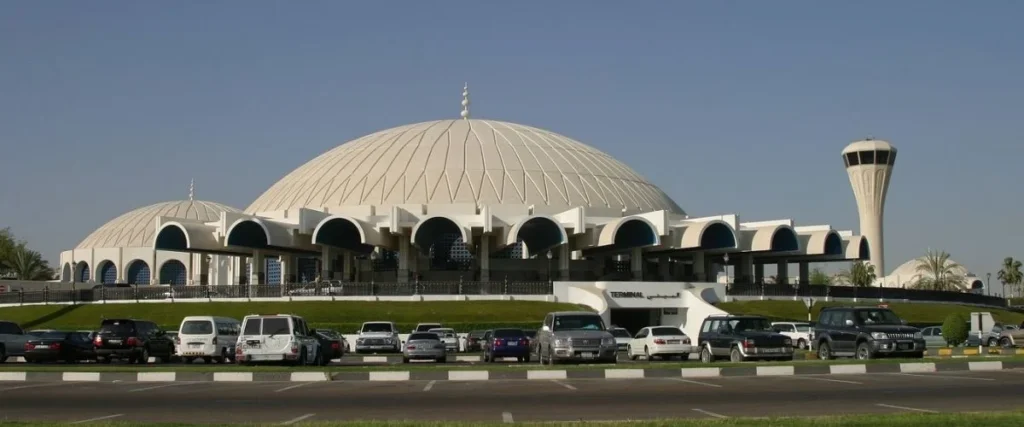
(608, 341)
(880, 335)
(918, 336)
(359, 340)
(563, 342)
(787, 341)
(389, 341)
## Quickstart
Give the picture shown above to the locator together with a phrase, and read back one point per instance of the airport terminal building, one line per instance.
(451, 200)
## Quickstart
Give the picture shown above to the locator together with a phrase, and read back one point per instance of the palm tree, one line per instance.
(27, 264)
(861, 274)
(939, 273)
(1010, 273)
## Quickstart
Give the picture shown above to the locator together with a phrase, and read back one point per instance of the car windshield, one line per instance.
(197, 327)
(750, 324)
(328, 333)
(661, 332)
(803, 327)
(475, 334)
(117, 328)
(509, 333)
(620, 333)
(447, 333)
(53, 335)
(581, 321)
(377, 327)
(420, 336)
(877, 317)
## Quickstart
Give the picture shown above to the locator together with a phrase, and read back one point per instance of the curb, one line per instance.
(973, 351)
(485, 375)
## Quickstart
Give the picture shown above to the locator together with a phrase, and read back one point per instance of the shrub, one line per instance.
(954, 329)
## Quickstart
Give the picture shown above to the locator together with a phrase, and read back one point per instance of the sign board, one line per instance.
(808, 302)
(644, 295)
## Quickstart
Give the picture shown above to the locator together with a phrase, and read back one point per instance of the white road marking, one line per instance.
(953, 377)
(696, 382)
(506, 417)
(33, 386)
(291, 387)
(806, 377)
(429, 386)
(906, 408)
(156, 387)
(710, 414)
(568, 386)
(297, 419)
(90, 420)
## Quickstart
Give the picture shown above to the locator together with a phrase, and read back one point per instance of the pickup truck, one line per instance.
(12, 340)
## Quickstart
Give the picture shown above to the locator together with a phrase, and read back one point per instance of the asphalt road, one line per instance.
(526, 400)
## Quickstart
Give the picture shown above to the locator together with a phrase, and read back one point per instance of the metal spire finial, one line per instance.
(465, 101)
(192, 190)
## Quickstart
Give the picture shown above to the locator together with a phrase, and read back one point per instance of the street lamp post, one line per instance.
(549, 255)
(988, 280)
(726, 259)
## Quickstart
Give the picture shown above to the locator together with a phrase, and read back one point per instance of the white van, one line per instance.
(207, 337)
(278, 338)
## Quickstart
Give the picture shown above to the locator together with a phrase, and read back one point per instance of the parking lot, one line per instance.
(532, 400)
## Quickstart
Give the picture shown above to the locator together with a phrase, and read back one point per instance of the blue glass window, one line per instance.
(306, 271)
(173, 273)
(84, 274)
(138, 273)
(108, 273)
(273, 269)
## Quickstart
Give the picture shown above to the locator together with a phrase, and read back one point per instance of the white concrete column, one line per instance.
(346, 267)
(121, 268)
(200, 269)
(782, 272)
(154, 270)
(258, 267)
(758, 273)
(403, 258)
(484, 255)
(564, 256)
(325, 262)
(289, 269)
(805, 273)
(700, 267)
(663, 270)
(636, 263)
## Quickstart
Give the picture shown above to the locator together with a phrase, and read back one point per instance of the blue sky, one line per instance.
(729, 106)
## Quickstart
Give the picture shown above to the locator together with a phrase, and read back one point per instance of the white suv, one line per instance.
(378, 337)
(278, 338)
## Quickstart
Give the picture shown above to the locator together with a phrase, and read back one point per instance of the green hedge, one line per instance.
(913, 313)
(344, 316)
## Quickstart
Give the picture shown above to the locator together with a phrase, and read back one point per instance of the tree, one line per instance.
(1010, 273)
(939, 273)
(819, 277)
(26, 264)
(954, 329)
(860, 274)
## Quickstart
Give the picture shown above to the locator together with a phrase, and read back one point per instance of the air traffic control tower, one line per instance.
(869, 165)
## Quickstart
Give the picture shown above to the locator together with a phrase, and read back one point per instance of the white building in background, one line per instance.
(464, 199)
(907, 276)
(869, 165)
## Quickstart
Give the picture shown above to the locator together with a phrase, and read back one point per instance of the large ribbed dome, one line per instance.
(137, 228)
(464, 161)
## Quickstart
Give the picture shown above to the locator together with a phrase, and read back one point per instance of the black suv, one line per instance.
(742, 338)
(865, 333)
(132, 340)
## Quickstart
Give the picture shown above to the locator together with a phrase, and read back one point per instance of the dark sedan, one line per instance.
(52, 346)
(507, 343)
(332, 342)
(475, 341)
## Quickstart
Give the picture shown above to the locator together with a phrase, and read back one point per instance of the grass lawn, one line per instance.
(344, 316)
(421, 366)
(913, 313)
(892, 420)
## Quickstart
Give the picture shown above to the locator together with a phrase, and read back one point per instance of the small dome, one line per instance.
(137, 228)
(907, 272)
(465, 161)
(869, 145)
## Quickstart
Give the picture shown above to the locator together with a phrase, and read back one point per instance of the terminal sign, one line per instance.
(631, 294)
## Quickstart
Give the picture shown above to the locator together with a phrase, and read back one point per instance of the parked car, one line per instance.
(622, 338)
(663, 342)
(12, 340)
(426, 327)
(933, 337)
(448, 337)
(278, 338)
(53, 346)
(378, 337)
(988, 339)
(531, 336)
(474, 341)
(742, 338)
(134, 341)
(424, 345)
(207, 337)
(1011, 337)
(332, 342)
(865, 333)
(507, 343)
(799, 332)
(575, 336)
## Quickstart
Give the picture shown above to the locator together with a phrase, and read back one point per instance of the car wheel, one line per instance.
(1005, 342)
(3, 354)
(705, 356)
(824, 351)
(207, 360)
(684, 357)
(992, 342)
(863, 351)
(647, 353)
(144, 357)
(735, 355)
(526, 359)
(629, 352)
(302, 357)
(801, 344)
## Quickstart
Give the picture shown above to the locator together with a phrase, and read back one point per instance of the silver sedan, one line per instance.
(424, 346)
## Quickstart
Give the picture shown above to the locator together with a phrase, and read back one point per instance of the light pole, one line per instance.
(726, 259)
(988, 280)
(549, 255)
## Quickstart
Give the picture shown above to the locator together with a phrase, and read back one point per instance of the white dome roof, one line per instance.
(137, 228)
(907, 273)
(464, 161)
(869, 145)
